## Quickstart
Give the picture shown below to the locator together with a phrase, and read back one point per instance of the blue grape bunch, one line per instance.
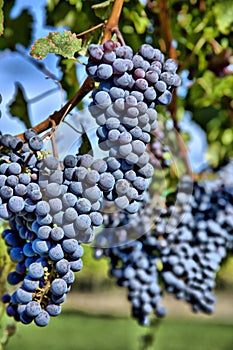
(130, 87)
(181, 245)
(52, 208)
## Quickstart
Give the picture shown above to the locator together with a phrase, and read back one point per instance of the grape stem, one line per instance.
(53, 140)
(111, 26)
(58, 116)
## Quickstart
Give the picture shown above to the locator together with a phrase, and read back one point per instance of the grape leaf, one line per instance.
(103, 10)
(1, 17)
(65, 44)
(19, 108)
(102, 4)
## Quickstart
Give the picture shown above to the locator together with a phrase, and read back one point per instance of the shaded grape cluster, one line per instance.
(125, 241)
(186, 241)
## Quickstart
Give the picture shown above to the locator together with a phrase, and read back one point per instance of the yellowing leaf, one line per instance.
(64, 44)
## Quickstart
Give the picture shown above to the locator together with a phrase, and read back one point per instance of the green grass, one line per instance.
(75, 331)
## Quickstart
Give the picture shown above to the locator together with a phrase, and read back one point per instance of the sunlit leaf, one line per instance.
(77, 3)
(223, 11)
(102, 4)
(19, 108)
(64, 44)
(103, 10)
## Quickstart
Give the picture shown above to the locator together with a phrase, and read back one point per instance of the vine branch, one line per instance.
(57, 116)
(112, 24)
(165, 23)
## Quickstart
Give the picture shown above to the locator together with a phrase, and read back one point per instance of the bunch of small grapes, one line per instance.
(126, 242)
(44, 279)
(146, 72)
(19, 172)
(51, 208)
(123, 105)
(192, 240)
(188, 240)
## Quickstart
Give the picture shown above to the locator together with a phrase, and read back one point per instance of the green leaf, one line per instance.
(65, 44)
(1, 17)
(77, 3)
(138, 18)
(17, 30)
(102, 4)
(19, 108)
(223, 11)
(103, 10)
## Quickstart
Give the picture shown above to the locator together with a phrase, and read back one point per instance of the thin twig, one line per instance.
(57, 116)
(53, 140)
(119, 36)
(90, 30)
(164, 19)
(72, 127)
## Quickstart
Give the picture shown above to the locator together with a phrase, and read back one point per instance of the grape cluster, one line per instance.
(135, 269)
(123, 107)
(52, 208)
(192, 244)
(147, 74)
(185, 243)
(44, 279)
(125, 241)
(72, 197)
